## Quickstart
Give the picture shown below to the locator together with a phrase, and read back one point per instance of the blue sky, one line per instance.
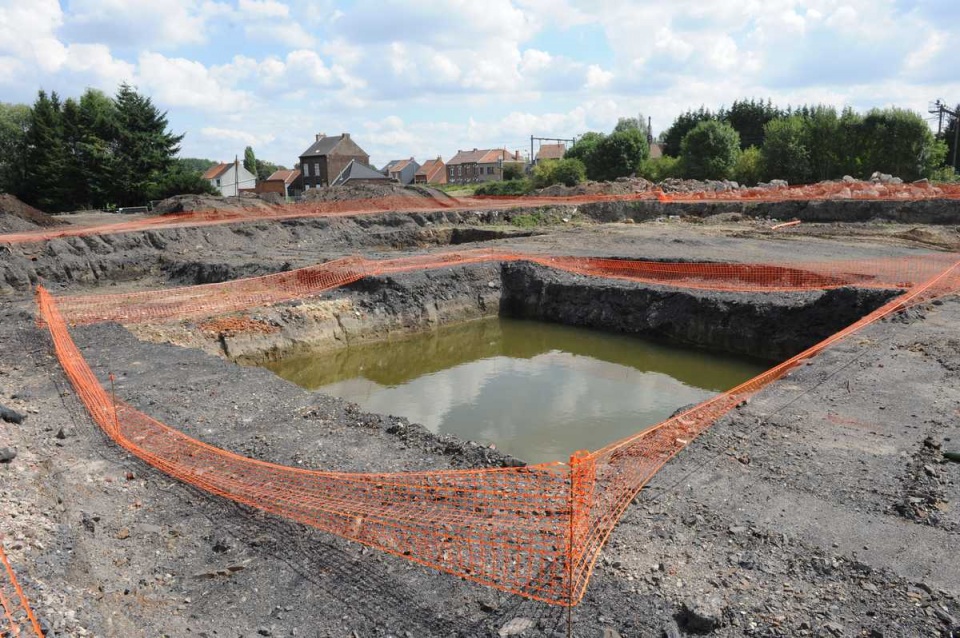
(426, 79)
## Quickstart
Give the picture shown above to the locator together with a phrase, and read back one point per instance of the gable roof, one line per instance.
(358, 170)
(430, 166)
(397, 165)
(551, 151)
(481, 156)
(285, 176)
(217, 171)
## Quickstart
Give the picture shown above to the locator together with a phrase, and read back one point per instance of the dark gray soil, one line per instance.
(824, 507)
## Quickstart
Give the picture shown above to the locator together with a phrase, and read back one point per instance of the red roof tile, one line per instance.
(216, 171)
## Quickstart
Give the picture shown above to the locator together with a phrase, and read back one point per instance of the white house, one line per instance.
(230, 178)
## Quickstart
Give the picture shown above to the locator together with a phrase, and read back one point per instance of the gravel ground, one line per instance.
(823, 508)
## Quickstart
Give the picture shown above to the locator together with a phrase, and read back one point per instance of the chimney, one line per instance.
(320, 136)
(345, 136)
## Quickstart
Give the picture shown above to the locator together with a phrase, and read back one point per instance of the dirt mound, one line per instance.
(195, 203)
(349, 192)
(621, 186)
(15, 216)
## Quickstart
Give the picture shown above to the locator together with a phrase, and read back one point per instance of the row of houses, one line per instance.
(337, 160)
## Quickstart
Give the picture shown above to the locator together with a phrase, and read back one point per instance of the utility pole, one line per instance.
(236, 175)
(940, 109)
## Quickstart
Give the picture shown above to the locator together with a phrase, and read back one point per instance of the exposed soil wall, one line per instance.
(907, 212)
(218, 253)
(770, 326)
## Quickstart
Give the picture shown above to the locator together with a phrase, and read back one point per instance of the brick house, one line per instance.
(479, 165)
(402, 170)
(550, 152)
(286, 183)
(327, 157)
(432, 172)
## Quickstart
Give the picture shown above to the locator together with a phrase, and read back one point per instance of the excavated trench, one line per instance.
(769, 326)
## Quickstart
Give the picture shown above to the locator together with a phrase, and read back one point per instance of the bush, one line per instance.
(710, 150)
(568, 172)
(657, 170)
(749, 168)
(512, 187)
(618, 155)
(180, 181)
(512, 172)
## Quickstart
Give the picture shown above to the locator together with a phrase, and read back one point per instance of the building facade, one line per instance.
(327, 157)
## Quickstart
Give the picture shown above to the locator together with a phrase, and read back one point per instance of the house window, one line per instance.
(218, 182)
(489, 170)
(306, 170)
(316, 169)
(458, 171)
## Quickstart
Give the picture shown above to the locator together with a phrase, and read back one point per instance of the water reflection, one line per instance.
(538, 391)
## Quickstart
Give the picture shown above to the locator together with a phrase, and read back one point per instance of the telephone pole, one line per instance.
(940, 109)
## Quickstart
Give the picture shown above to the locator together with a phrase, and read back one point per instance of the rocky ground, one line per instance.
(824, 507)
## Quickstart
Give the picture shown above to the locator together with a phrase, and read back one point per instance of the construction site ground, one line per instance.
(824, 507)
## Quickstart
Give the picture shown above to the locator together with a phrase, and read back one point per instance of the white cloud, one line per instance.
(264, 8)
(179, 82)
(141, 23)
(243, 137)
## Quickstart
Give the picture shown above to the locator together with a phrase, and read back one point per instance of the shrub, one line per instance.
(512, 172)
(657, 170)
(568, 172)
(749, 167)
(512, 187)
(710, 150)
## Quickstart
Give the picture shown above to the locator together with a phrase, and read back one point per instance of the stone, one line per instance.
(61, 434)
(123, 534)
(515, 627)
(7, 454)
(10, 416)
(670, 630)
(609, 632)
(703, 614)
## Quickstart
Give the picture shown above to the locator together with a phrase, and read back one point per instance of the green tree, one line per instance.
(194, 164)
(686, 122)
(897, 142)
(949, 137)
(749, 169)
(749, 120)
(568, 172)
(45, 155)
(710, 150)
(145, 149)
(90, 132)
(180, 180)
(820, 137)
(512, 171)
(14, 124)
(633, 124)
(618, 155)
(785, 155)
(584, 150)
(250, 160)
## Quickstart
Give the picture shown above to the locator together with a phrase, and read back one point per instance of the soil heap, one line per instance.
(15, 216)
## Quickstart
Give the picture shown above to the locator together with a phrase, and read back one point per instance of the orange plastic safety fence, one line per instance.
(825, 191)
(17, 618)
(211, 299)
(534, 531)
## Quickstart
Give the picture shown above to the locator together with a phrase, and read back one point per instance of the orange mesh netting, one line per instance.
(211, 299)
(17, 618)
(534, 531)
(347, 208)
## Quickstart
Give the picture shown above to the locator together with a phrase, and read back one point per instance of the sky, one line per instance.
(420, 79)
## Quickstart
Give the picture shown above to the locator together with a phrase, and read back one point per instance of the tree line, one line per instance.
(93, 152)
(755, 141)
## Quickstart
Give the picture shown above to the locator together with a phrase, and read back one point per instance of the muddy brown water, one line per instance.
(537, 391)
